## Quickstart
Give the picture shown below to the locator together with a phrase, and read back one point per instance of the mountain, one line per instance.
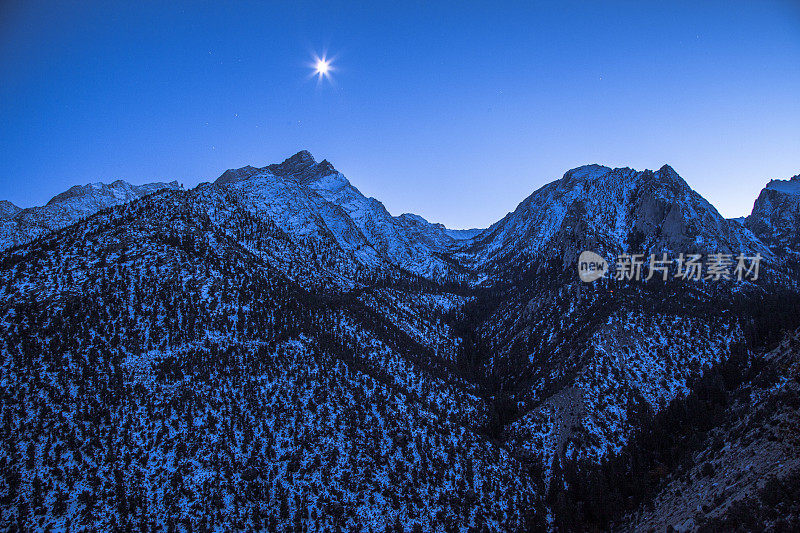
(464, 234)
(434, 231)
(175, 375)
(315, 202)
(721, 457)
(567, 364)
(776, 216)
(78, 202)
(8, 210)
(610, 211)
(275, 351)
(744, 469)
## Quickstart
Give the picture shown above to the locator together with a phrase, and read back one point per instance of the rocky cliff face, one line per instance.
(610, 211)
(315, 202)
(776, 216)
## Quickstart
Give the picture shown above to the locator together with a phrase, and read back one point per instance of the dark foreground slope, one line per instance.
(743, 467)
(722, 456)
(157, 372)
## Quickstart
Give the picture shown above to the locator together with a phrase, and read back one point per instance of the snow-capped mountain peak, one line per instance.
(414, 218)
(116, 192)
(70, 206)
(584, 172)
(302, 166)
(594, 207)
(312, 199)
(235, 174)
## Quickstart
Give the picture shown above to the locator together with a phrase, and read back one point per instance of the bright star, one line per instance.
(322, 68)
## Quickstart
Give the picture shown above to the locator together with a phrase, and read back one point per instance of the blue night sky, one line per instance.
(453, 111)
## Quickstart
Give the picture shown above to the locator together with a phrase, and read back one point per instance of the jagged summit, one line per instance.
(776, 215)
(790, 186)
(235, 174)
(586, 172)
(415, 218)
(119, 190)
(301, 167)
(595, 170)
(299, 161)
(306, 197)
(313, 201)
(667, 169)
(610, 210)
(302, 156)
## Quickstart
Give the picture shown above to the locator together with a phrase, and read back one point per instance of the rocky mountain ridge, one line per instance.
(776, 216)
(279, 345)
(20, 226)
(591, 207)
(610, 211)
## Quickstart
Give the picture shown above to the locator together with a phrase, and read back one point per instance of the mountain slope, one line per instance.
(176, 377)
(776, 216)
(8, 210)
(567, 364)
(751, 445)
(313, 201)
(610, 211)
(68, 207)
(276, 351)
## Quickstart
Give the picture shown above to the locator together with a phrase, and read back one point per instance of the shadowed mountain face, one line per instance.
(274, 350)
(776, 216)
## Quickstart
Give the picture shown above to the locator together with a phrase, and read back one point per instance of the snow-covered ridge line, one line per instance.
(776, 216)
(610, 211)
(79, 201)
(594, 205)
(315, 202)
